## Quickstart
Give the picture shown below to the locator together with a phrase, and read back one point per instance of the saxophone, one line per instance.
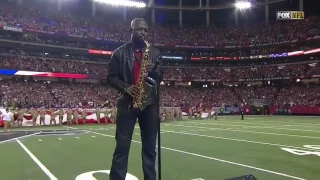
(145, 83)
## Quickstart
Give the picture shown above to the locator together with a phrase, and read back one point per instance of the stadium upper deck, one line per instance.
(33, 19)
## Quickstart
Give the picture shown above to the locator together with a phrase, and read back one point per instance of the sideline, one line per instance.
(246, 131)
(280, 127)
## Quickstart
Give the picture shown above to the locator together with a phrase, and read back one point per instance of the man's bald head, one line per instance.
(139, 28)
(136, 21)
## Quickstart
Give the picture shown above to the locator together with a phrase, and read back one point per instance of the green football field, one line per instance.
(268, 147)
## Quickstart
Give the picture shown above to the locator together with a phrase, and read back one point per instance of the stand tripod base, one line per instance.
(245, 177)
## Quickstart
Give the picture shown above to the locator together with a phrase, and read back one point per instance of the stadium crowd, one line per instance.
(190, 97)
(35, 19)
(51, 94)
(50, 65)
(43, 63)
(299, 95)
(235, 73)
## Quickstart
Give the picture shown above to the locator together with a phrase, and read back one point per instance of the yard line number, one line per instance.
(89, 175)
(299, 152)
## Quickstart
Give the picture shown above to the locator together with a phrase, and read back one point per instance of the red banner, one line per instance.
(93, 51)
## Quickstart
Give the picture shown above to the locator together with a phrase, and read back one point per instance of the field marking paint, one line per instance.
(77, 137)
(266, 127)
(240, 140)
(259, 123)
(308, 126)
(67, 134)
(89, 175)
(315, 147)
(311, 124)
(215, 159)
(256, 132)
(301, 152)
(8, 140)
(60, 139)
(36, 160)
(28, 130)
(273, 122)
(100, 129)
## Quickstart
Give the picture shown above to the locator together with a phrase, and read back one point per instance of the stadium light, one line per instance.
(243, 5)
(126, 3)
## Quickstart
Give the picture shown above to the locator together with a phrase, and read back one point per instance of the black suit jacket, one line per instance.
(120, 73)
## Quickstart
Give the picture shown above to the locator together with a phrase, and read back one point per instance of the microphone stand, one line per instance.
(159, 120)
(159, 134)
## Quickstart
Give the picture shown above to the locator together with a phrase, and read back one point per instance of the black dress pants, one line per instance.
(148, 122)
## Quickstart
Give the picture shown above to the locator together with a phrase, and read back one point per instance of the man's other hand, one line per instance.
(149, 67)
(133, 90)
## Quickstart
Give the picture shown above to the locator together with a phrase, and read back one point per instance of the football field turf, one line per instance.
(269, 147)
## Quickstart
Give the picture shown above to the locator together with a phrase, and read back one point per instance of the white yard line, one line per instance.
(36, 160)
(216, 159)
(266, 127)
(256, 123)
(273, 123)
(240, 140)
(36, 129)
(255, 132)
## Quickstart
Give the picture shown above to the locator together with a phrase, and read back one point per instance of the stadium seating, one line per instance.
(32, 19)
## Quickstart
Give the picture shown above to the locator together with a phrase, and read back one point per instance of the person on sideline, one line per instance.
(7, 117)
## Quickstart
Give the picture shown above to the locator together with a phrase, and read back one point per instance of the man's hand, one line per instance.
(149, 67)
(132, 90)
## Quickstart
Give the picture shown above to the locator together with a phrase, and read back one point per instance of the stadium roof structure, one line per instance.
(212, 7)
(151, 4)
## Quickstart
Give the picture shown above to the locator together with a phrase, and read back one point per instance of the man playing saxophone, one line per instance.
(135, 71)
